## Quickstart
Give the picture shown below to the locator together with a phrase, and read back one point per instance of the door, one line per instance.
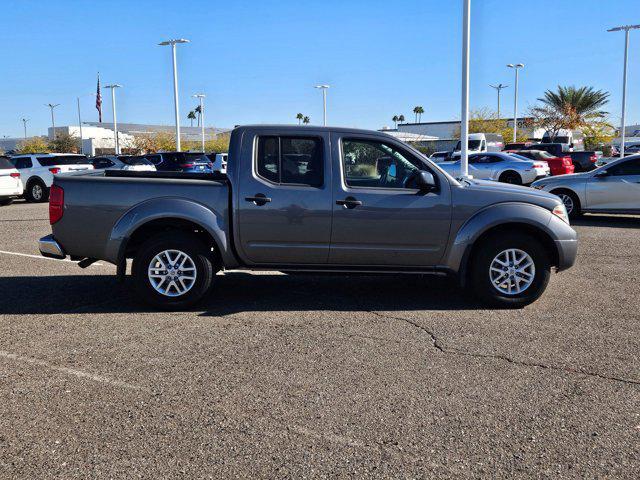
(284, 199)
(378, 218)
(618, 189)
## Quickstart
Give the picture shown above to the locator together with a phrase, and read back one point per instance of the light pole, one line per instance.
(499, 87)
(24, 124)
(80, 118)
(516, 67)
(53, 118)
(201, 97)
(176, 107)
(113, 87)
(464, 117)
(324, 102)
(626, 29)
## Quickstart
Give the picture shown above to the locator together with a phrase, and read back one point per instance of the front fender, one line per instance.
(215, 223)
(504, 214)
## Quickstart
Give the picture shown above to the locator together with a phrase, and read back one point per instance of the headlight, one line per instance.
(561, 212)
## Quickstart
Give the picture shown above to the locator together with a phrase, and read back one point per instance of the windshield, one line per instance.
(473, 145)
(134, 161)
(63, 160)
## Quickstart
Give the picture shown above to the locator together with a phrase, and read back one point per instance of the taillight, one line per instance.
(56, 204)
(14, 175)
(593, 158)
(567, 161)
(538, 165)
(54, 170)
(186, 165)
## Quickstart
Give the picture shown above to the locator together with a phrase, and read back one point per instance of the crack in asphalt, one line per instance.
(456, 351)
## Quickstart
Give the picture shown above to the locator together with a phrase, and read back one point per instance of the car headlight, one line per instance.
(561, 212)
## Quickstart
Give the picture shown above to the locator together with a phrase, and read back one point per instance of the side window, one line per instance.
(369, 163)
(291, 160)
(24, 162)
(102, 163)
(630, 167)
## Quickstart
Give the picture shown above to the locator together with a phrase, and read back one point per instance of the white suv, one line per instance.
(10, 184)
(37, 171)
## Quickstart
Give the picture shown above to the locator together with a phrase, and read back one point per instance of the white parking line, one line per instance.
(40, 257)
(71, 371)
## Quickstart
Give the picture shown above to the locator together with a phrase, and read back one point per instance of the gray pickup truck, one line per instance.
(311, 199)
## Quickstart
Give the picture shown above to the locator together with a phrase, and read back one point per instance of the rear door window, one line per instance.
(291, 160)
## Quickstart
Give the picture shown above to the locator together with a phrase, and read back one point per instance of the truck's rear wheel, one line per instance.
(511, 270)
(173, 271)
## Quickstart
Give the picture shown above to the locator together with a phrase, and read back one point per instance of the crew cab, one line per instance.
(311, 199)
(37, 171)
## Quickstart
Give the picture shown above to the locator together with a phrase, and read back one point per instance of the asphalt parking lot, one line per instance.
(318, 376)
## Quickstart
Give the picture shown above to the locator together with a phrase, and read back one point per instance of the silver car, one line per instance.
(500, 167)
(611, 188)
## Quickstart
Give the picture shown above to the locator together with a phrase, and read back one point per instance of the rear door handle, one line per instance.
(259, 199)
(349, 202)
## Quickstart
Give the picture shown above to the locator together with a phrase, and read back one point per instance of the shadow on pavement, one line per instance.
(610, 221)
(237, 292)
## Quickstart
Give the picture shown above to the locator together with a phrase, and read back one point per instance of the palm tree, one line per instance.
(191, 116)
(300, 117)
(418, 111)
(395, 121)
(576, 107)
(198, 110)
(306, 120)
(401, 119)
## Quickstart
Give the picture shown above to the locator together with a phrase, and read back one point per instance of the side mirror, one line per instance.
(424, 181)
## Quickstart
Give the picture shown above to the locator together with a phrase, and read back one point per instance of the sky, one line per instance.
(258, 61)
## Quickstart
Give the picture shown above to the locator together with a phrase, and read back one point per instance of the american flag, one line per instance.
(99, 101)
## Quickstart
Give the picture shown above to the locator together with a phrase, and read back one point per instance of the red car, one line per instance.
(557, 165)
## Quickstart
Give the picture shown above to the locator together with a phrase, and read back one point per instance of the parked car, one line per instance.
(500, 167)
(37, 171)
(218, 162)
(612, 188)
(192, 162)
(516, 146)
(123, 162)
(309, 199)
(556, 149)
(10, 183)
(480, 143)
(558, 165)
(583, 161)
(440, 156)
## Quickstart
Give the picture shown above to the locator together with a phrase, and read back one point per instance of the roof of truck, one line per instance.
(301, 128)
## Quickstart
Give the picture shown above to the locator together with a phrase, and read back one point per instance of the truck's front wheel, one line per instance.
(173, 271)
(511, 270)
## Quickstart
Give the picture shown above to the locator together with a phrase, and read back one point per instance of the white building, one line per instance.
(95, 140)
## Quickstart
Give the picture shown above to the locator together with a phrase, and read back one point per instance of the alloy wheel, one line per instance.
(172, 273)
(512, 271)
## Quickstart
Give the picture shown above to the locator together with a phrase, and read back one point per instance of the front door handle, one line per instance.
(349, 202)
(259, 199)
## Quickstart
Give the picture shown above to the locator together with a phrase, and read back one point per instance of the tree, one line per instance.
(33, 145)
(192, 116)
(306, 120)
(570, 108)
(198, 110)
(418, 111)
(487, 121)
(65, 143)
(394, 119)
(597, 135)
(400, 118)
(300, 117)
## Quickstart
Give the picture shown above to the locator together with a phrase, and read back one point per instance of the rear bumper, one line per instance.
(49, 247)
(567, 253)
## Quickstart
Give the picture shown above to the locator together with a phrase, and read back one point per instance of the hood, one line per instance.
(502, 192)
(563, 178)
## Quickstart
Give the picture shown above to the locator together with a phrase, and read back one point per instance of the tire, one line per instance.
(166, 294)
(571, 202)
(511, 177)
(36, 192)
(5, 201)
(489, 255)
